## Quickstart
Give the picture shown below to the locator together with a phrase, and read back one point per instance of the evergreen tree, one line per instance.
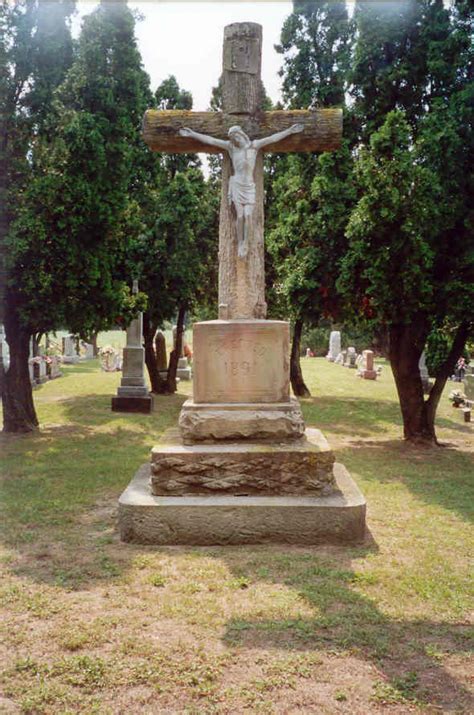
(410, 264)
(176, 252)
(35, 53)
(312, 194)
(69, 244)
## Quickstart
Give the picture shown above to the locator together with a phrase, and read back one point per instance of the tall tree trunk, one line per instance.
(296, 375)
(17, 395)
(406, 345)
(446, 370)
(176, 352)
(158, 385)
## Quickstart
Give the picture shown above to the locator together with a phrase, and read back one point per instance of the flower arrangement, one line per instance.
(109, 358)
(457, 397)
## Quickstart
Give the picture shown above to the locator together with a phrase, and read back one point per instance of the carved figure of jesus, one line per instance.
(243, 155)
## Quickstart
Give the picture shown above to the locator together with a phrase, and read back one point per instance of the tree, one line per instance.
(312, 195)
(35, 53)
(176, 250)
(69, 242)
(408, 258)
(417, 57)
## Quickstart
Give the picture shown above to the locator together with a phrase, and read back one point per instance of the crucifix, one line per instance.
(242, 132)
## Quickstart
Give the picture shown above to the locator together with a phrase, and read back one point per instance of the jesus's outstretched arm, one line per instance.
(205, 138)
(274, 138)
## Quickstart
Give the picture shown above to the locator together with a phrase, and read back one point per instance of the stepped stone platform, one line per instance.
(302, 466)
(212, 520)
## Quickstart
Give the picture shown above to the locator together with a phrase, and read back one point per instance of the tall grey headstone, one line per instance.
(132, 395)
(425, 378)
(4, 350)
(334, 345)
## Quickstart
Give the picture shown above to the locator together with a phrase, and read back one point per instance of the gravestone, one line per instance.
(469, 387)
(133, 395)
(367, 370)
(55, 367)
(70, 356)
(339, 359)
(160, 352)
(334, 345)
(242, 469)
(88, 351)
(351, 357)
(42, 371)
(4, 350)
(425, 378)
(183, 371)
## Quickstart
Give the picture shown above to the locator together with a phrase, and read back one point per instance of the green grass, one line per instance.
(91, 625)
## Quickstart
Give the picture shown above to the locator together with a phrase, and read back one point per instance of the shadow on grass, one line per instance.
(349, 415)
(435, 475)
(96, 410)
(409, 652)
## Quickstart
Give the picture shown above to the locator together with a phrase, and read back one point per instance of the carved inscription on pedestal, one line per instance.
(241, 361)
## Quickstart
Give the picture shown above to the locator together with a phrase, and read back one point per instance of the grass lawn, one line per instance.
(90, 625)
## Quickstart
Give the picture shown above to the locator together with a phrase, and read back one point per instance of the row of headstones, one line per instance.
(184, 370)
(44, 367)
(71, 354)
(364, 363)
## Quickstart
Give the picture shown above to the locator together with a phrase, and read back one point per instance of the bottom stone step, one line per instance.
(213, 520)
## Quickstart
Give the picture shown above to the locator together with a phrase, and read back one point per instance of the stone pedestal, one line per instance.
(241, 386)
(207, 421)
(241, 361)
(242, 469)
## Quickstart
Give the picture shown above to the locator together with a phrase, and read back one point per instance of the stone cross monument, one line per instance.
(242, 435)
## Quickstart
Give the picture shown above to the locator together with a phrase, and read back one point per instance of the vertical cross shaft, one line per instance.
(241, 279)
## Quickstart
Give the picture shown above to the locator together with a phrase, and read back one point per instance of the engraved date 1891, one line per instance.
(236, 367)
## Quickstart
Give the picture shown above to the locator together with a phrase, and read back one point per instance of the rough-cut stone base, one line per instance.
(200, 422)
(131, 404)
(369, 374)
(302, 466)
(206, 520)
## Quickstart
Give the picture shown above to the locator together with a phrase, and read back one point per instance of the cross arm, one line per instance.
(322, 129)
